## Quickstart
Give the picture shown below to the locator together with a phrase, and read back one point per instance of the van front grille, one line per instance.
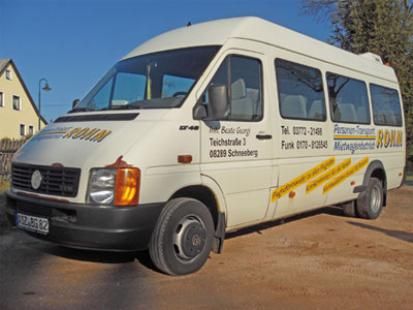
(58, 181)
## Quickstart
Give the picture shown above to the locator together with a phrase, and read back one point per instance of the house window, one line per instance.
(1, 100)
(16, 103)
(22, 130)
(31, 132)
(8, 74)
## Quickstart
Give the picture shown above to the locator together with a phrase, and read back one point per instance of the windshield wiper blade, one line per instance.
(124, 107)
(81, 110)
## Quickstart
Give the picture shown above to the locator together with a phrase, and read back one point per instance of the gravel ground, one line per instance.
(4, 225)
(321, 260)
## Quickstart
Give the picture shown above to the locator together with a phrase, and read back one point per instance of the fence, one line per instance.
(7, 149)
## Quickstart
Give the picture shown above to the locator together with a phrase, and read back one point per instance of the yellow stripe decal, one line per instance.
(312, 185)
(345, 174)
(301, 179)
(351, 137)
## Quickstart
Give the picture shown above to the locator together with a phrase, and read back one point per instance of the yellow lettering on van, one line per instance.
(80, 133)
(379, 142)
(71, 132)
(393, 137)
(89, 134)
(389, 138)
(102, 134)
(386, 138)
(399, 138)
(312, 185)
(345, 174)
(301, 179)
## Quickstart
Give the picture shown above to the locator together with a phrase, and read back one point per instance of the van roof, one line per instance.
(217, 32)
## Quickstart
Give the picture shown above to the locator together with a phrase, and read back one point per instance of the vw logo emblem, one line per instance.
(36, 179)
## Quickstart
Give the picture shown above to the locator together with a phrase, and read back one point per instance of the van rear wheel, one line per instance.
(182, 239)
(370, 203)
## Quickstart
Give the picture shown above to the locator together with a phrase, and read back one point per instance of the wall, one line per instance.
(11, 119)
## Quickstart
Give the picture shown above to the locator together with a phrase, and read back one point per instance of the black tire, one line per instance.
(370, 203)
(349, 209)
(182, 238)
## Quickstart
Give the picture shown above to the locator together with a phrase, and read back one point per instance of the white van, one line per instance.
(208, 129)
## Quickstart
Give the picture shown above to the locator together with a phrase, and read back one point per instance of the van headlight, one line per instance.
(118, 187)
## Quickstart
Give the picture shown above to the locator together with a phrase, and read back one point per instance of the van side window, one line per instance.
(243, 78)
(300, 91)
(386, 106)
(349, 102)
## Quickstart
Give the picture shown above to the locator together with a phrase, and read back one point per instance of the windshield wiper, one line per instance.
(81, 110)
(124, 107)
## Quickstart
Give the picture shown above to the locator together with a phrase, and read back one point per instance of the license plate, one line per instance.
(33, 223)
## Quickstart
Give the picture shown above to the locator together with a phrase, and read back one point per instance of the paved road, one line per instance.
(321, 260)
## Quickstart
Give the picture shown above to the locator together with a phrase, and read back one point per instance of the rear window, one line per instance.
(348, 99)
(386, 106)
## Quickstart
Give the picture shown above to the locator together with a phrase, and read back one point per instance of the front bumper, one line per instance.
(89, 226)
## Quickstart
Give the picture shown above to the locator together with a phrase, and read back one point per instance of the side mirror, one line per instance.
(75, 103)
(218, 102)
(200, 112)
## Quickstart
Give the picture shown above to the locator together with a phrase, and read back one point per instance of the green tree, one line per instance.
(383, 27)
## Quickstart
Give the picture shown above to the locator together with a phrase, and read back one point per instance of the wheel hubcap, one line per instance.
(376, 199)
(189, 238)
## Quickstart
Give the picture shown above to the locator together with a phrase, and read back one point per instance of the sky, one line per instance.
(72, 43)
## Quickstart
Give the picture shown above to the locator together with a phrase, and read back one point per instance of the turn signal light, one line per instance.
(127, 185)
(184, 159)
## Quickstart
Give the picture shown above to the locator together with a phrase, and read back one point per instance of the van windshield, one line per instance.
(158, 80)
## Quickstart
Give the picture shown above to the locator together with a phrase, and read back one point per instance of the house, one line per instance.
(19, 116)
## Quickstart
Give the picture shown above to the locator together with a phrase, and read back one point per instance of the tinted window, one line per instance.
(242, 77)
(300, 91)
(348, 99)
(386, 106)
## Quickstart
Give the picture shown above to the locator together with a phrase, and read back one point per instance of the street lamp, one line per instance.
(46, 87)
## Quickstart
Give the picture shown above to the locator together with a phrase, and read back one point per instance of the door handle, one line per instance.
(263, 137)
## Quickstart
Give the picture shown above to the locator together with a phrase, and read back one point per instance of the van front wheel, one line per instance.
(370, 203)
(182, 238)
